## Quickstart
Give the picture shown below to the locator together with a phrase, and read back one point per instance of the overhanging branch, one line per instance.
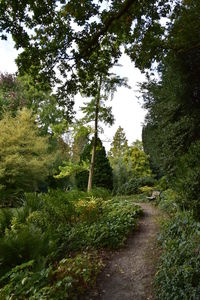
(93, 42)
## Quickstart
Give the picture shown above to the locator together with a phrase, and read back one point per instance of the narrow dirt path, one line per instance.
(130, 271)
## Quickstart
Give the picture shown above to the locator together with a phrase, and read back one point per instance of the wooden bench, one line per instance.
(155, 194)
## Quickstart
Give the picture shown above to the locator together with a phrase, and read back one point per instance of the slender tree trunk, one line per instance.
(91, 172)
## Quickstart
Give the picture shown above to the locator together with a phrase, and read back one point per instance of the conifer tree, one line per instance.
(101, 90)
(102, 176)
(24, 157)
(119, 145)
(117, 158)
(139, 161)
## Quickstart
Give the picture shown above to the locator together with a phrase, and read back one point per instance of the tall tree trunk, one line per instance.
(91, 172)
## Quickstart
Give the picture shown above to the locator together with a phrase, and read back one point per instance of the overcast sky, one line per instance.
(127, 110)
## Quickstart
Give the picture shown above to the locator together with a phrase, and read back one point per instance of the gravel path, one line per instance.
(129, 272)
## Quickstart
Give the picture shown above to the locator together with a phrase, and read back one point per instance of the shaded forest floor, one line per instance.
(129, 272)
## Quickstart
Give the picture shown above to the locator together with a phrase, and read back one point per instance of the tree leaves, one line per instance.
(24, 155)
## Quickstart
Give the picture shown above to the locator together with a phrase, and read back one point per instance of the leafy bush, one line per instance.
(147, 190)
(24, 158)
(30, 203)
(6, 215)
(111, 231)
(64, 280)
(188, 178)
(37, 242)
(146, 181)
(20, 244)
(99, 192)
(114, 219)
(132, 186)
(129, 188)
(179, 271)
(58, 207)
(168, 201)
(162, 183)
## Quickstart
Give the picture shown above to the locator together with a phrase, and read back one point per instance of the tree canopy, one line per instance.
(24, 156)
(18, 92)
(73, 40)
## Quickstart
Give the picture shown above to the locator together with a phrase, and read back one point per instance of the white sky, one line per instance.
(127, 111)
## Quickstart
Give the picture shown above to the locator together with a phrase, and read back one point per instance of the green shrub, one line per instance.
(6, 215)
(65, 280)
(59, 207)
(89, 210)
(179, 271)
(162, 183)
(98, 192)
(20, 244)
(129, 188)
(30, 203)
(112, 230)
(168, 201)
(188, 178)
(132, 186)
(114, 219)
(146, 181)
(48, 228)
(147, 190)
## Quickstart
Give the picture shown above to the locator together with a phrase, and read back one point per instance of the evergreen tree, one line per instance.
(102, 169)
(139, 161)
(117, 158)
(119, 145)
(101, 89)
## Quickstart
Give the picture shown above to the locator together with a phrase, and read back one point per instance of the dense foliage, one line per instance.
(22, 92)
(179, 270)
(171, 139)
(25, 160)
(130, 164)
(134, 185)
(102, 169)
(171, 133)
(76, 35)
(49, 246)
(117, 157)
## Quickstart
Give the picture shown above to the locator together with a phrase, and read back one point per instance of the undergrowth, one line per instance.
(49, 246)
(178, 274)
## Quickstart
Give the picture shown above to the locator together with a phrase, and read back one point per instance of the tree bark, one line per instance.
(92, 163)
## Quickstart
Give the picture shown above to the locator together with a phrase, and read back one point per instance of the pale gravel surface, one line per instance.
(129, 272)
